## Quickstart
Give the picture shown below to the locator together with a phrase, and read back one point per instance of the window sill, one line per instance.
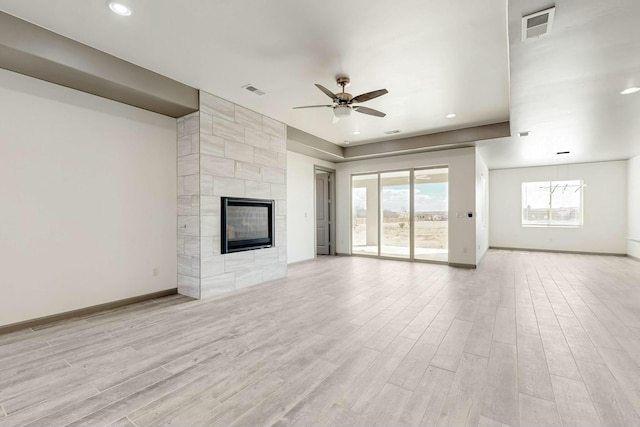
(550, 226)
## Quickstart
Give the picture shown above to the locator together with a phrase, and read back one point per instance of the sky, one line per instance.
(428, 197)
(536, 194)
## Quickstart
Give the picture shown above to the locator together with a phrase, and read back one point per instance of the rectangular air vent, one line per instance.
(392, 132)
(537, 24)
(252, 88)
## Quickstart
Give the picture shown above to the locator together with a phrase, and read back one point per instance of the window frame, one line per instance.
(550, 222)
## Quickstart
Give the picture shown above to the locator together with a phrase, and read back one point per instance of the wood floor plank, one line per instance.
(450, 350)
(573, 402)
(536, 412)
(481, 335)
(388, 407)
(501, 396)
(425, 404)
(581, 345)
(504, 330)
(533, 374)
(369, 384)
(559, 357)
(272, 408)
(350, 341)
(626, 373)
(410, 371)
(323, 397)
(464, 400)
(607, 396)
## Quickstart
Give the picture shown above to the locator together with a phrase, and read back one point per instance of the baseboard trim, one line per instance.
(458, 265)
(556, 251)
(633, 257)
(12, 327)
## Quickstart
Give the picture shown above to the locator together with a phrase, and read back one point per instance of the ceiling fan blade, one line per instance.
(369, 111)
(326, 91)
(312, 106)
(370, 95)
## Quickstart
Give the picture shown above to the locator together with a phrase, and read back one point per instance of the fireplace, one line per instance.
(247, 224)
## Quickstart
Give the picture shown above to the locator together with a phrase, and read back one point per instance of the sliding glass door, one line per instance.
(401, 214)
(364, 214)
(431, 231)
(395, 188)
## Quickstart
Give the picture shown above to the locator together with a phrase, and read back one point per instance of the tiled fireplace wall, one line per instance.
(227, 150)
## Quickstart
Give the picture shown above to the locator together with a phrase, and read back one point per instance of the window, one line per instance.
(552, 203)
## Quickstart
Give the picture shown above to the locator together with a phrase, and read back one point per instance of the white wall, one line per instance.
(605, 209)
(482, 208)
(301, 228)
(461, 162)
(633, 198)
(87, 200)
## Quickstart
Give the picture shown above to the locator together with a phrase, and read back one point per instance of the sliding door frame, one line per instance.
(412, 213)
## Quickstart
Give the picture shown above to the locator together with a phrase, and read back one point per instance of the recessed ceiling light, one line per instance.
(119, 8)
(356, 132)
(450, 115)
(630, 90)
(524, 133)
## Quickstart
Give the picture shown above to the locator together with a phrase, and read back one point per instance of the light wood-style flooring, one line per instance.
(526, 339)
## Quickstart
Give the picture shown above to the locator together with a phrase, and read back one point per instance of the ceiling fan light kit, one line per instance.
(343, 101)
(342, 111)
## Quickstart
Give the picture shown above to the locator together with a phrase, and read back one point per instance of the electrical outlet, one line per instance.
(464, 250)
(155, 271)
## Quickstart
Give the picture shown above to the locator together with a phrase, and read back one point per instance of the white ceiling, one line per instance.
(565, 87)
(434, 57)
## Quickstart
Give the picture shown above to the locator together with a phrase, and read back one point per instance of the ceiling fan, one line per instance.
(343, 102)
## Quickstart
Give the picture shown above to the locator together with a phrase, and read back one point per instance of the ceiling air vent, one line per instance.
(252, 88)
(392, 132)
(537, 24)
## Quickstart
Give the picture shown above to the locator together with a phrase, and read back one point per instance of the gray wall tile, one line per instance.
(273, 175)
(274, 271)
(249, 277)
(258, 190)
(212, 266)
(206, 124)
(212, 145)
(279, 145)
(189, 165)
(248, 118)
(216, 106)
(209, 225)
(216, 285)
(248, 171)
(278, 191)
(189, 185)
(228, 130)
(210, 205)
(239, 261)
(257, 138)
(216, 166)
(238, 151)
(228, 187)
(206, 185)
(188, 225)
(266, 158)
(273, 127)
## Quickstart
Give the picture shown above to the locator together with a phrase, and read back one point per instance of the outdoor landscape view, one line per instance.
(431, 218)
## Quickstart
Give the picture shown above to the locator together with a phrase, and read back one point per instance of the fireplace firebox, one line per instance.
(247, 224)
